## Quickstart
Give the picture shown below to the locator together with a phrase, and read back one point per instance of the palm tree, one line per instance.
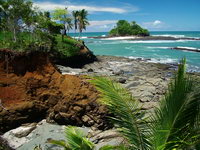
(68, 24)
(75, 16)
(175, 124)
(82, 20)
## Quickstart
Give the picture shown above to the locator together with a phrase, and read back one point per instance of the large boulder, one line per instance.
(31, 88)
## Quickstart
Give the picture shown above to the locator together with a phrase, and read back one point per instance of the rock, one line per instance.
(118, 72)
(23, 130)
(38, 90)
(90, 70)
(132, 84)
(85, 118)
(44, 131)
(38, 136)
(122, 80)
(108, 137)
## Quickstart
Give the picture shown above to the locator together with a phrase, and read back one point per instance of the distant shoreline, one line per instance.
(144, 38)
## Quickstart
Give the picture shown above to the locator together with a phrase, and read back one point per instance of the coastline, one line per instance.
(145, 80)
(145, 38)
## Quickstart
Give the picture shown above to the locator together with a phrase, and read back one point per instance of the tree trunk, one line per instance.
(62, 37)
(14, 34)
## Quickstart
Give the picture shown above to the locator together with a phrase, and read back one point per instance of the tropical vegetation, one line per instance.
(175, 123)
(24, 27)
(124, 28)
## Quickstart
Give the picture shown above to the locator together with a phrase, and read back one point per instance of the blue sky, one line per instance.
(155, 15)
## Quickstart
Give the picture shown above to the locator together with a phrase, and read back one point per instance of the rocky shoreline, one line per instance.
(146, 38)
(146, 81)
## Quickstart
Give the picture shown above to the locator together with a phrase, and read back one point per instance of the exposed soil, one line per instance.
(32, 88)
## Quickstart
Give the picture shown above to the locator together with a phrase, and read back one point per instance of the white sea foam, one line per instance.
(82, 37)
(156, 60)
(151, 47)
(189, 48)
(103, 35)
(154, 41)
(121, 38)
(171, 35)
(163, 60)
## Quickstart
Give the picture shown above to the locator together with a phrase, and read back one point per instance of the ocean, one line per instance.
(155, 50)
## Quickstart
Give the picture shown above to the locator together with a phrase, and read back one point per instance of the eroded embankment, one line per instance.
(31, 88)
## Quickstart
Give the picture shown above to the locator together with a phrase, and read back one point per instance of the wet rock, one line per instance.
(122, 80)
(90, 70)
(118, 72)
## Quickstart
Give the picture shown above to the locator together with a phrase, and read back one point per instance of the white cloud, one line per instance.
(51, 6)
(102, 22)
(157, 24)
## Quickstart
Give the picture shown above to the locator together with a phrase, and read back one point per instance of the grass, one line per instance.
(68, 47)
(41, 41)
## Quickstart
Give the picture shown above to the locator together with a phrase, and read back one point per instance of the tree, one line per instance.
(69, 25)
(61, 15)
(82, 20)
(17, 12)
(175, 124)
(125, 28)
(75, 17)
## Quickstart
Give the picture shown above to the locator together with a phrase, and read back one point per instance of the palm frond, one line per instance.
(61, 143)
(77, 140)
(110, 147)
(128, 117)
(178, 114)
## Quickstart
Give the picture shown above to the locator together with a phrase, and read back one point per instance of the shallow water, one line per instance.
(156, 50)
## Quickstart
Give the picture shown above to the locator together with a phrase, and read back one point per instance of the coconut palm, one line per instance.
(68, 25)
(82, 20)
(75, 17)
(175, 124)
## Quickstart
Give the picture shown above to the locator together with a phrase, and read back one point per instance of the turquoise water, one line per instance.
(157, 51)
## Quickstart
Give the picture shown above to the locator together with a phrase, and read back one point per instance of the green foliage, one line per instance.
(175, 124)
(75, 140)
(67, 47)
(82, 20)
(75, 16)
(128, 118)
(177, 120)
(124, 28)
(60, 15)
(26, 28)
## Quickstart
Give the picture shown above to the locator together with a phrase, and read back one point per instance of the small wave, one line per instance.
(171, 35)
(154, 41)
(103, 35)
(192, 68)
(190, 48)
(82, 37)
(121, 38)
(163, 60)
(159, 47)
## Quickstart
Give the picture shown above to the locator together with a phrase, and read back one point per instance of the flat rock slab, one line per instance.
(43, 131)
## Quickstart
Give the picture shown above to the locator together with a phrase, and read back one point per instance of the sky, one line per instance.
(154, 15)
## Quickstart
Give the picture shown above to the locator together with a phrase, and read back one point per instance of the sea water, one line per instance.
(154, 50)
